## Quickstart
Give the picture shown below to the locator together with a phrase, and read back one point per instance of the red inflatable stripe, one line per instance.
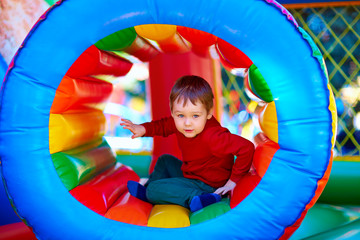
(232, 54)
(200, 40)
(243, 188)
(80, 94)
(97, 62)
(264, 153)
(142, 50)
(102, 191)
(16, 231)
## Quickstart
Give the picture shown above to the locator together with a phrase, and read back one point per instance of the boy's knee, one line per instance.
(152, 191)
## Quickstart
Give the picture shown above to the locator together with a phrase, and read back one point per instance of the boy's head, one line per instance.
(192, 88)
(191, 102)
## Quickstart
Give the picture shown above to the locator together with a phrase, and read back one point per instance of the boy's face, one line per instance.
(190, 119)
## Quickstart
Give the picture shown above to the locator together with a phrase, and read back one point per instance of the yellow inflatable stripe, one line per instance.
(332, 108)
(156, 32)
(268, 122)
(165, 36)
(67, 131)
(169, 216)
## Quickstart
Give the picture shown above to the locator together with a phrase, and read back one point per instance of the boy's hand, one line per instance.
(229, 186)
(137, 130)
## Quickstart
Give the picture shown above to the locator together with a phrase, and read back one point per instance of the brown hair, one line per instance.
(192, 88)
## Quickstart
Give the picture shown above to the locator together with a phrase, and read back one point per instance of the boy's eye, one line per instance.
(196, 116)
(180, 115)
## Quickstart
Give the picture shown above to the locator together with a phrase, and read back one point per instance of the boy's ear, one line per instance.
(210, 113)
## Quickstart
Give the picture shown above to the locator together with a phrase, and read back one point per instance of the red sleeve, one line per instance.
(163, 127)
(223, 143)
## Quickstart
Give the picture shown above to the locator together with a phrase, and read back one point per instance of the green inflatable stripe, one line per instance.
(258, 84)
(75, 167)
(117, 41)
(210, 212)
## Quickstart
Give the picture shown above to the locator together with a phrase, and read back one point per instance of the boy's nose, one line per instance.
(187, 122)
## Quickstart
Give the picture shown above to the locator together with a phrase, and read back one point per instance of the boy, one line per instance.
(207, 169)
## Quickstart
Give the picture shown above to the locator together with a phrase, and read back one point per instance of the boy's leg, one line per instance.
(137, 190)
(176, 191)
(201, 201)
(167, 166)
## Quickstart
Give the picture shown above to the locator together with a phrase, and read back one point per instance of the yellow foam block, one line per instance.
(67, 131)
(169, 216)
(268, 122)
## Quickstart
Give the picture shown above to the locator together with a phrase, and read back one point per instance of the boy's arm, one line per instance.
(244, 158)
(224, 143)
(163, 127)
(137, 130)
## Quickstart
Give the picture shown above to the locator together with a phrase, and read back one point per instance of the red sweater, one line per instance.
(209, 156)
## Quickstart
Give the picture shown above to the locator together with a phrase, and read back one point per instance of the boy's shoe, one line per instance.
(137, 190)
(201, 201)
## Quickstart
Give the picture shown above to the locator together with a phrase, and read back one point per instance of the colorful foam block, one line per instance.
(169, 216)
(75, 94)
(70, 130)
(101, 192)
(129, 209)
(76, 168)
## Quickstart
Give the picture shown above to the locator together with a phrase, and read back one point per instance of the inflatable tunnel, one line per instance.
(298, 157)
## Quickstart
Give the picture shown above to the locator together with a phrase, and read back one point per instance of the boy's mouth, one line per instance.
(188, 130)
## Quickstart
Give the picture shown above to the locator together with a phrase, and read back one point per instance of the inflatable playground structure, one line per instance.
(64, 180)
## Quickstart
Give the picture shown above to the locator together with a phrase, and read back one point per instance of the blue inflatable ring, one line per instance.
(263, 30)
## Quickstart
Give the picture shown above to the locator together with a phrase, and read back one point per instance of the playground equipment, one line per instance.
(296, 151)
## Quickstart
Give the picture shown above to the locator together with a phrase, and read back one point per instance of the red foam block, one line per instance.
(102, 191)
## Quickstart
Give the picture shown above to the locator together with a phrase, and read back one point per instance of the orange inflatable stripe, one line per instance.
(129, 209)
(79, 95)
(101, 192)
(321, 185)
(166, 36)
(263, 156)
(98, 62)
(67, 131)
